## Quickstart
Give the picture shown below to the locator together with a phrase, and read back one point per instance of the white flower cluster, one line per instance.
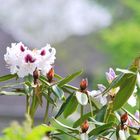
(23, 61)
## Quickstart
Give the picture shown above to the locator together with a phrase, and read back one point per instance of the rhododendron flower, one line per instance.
(111, 75)
(23, 61)
(97, 94)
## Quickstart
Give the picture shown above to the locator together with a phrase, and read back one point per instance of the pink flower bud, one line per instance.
(50, 75)
(36, 75)
(85, 126)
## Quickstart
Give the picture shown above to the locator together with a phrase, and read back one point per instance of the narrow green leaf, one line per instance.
(67, 133)
(69, 78)
(70, 107)
(126, 90)
(63, 106)
(96, 122)
(58, 92)
(43, 80)
(134, 137)
(100, 129)
(81, 98)
(12, 93)
(57, 76)
(49, 99)
(7, 77)
(67, 127)
(125, 71)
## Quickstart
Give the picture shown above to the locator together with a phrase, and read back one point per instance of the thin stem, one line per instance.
(53, 105)
(82, 110)
(28, 104)
(46, 113)
(90, 104)
(47, 109)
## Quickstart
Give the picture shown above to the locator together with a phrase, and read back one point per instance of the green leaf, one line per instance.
(81, 98)
(12, 93)
(70, 107)
(100, 129)
(101, 114)
(44, 80)
(7, 77)
(134, 137)
(69, 78)
(67, 127)
(68, 134)
(48, 98)
(95, 122)
(125, 71)
(58, 92)
(126, 90)
(121, 78)
(57, 76)
(63, 106)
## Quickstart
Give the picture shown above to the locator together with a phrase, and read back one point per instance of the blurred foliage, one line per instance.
(121, 40)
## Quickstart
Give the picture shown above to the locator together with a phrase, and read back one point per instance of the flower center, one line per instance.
(29, 58)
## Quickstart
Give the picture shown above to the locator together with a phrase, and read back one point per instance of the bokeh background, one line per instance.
(92, 35)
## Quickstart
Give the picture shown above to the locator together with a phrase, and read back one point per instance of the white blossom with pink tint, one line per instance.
(23, 61)
(133, 98)
(132, 122)
(111, 75)
(97, 94)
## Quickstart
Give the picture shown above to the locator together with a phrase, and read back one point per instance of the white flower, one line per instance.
(138, 79)
(133, 99)
(47, 57)
(23, 61)
(110, 76)
(123, 134)
(97, 94)
(84, 136)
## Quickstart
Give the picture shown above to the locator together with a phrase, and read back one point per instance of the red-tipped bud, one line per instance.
(124, 118)
(85, 126)
(83, 84)
(36, 75)
(50, 75)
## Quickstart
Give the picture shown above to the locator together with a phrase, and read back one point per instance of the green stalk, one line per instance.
(90, 104)
(47, 109)
(27, 104)
(46, 113)
(82, 110)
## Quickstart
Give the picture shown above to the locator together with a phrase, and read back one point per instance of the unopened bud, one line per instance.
(50, 75)
(83, 84)
(124, 118)
(85, 126)
(36, 75)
